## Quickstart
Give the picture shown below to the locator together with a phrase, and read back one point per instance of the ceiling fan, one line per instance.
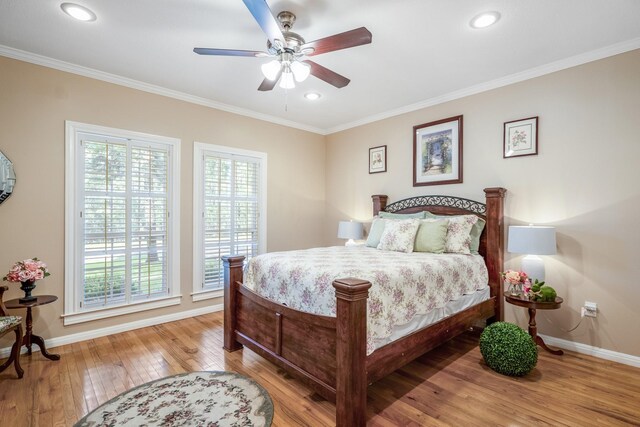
(289, 49)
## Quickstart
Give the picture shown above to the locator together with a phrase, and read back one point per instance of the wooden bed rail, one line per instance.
(351, 351)
(232, 279)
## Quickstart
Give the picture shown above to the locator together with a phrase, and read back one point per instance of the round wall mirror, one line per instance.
(7, 177)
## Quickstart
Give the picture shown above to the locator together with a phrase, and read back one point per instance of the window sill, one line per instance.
(204, 295)
(106, 312)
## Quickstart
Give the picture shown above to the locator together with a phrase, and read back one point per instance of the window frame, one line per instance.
(199, 151)
(74, 191)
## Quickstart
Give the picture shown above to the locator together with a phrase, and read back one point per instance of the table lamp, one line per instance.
(350, 230)
(532, 240)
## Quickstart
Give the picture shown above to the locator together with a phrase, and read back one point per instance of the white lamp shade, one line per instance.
(350, 230)
(271, 69)
(286, 81)
(300, 71)
(532, 240)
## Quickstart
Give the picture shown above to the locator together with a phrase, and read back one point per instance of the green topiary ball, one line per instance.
(508, 350)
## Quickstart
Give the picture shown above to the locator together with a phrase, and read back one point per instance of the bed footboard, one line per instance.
(327, 353)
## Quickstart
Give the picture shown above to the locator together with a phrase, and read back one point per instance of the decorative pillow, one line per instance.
(431, 236)
(377, 227)
(388, 215)
(399, 235)
(474, 234)
(459, 234)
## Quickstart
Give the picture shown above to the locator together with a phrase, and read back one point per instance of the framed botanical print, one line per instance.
(521, 138)
(378, 159)
(437, 152)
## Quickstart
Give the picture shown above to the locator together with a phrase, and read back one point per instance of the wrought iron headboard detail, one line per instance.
(446, 201)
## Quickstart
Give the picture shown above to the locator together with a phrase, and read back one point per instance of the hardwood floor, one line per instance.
(449, 386)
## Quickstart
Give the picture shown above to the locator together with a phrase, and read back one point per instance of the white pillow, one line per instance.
(399, 235)
(459, 234)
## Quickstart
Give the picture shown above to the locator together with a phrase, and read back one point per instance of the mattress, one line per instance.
(406, 288)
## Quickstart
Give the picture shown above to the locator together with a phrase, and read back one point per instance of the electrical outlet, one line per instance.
(590, 309)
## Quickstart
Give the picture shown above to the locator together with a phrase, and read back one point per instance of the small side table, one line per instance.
(29, 338)
(532, 306)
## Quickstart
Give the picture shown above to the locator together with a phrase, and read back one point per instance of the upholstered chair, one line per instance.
(8, 324)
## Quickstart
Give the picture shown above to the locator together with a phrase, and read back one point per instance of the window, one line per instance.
(122, 222)
(229, 212)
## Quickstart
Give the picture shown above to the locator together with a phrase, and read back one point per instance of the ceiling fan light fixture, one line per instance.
(286, 81)
(484, 20)
(300, 71)
(271, 69)
(78, 12)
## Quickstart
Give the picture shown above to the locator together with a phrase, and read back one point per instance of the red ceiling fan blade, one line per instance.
(267, 84)
(228, 52)
(262, 14)
(327, 75)
(352, 38)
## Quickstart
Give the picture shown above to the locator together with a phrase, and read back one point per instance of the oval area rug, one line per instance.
(209, 398)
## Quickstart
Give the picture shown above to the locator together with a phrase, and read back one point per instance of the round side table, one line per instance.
(29, 338)
(532, 306)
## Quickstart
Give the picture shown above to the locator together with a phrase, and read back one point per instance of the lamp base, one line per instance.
(533, 265)
(351, 242)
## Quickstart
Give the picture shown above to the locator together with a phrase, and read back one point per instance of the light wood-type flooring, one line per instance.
(449, 386)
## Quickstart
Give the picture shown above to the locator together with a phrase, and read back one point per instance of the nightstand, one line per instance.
(532, 306)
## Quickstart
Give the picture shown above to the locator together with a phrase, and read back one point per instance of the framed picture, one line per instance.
(378, 159)
(521, 138)
(437, 152)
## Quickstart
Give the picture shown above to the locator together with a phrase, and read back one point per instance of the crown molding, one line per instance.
(542, 70)
(552, 67)
(68, 67)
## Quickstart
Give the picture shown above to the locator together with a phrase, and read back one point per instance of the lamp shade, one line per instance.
(350, 230)
(532, 240)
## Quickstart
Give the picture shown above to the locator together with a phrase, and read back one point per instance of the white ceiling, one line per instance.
(422, 50)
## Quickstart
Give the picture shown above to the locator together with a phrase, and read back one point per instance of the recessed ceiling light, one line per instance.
(485, 20)
(312, 96)
(78, 12)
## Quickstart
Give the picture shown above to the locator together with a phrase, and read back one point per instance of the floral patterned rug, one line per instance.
(208, 399)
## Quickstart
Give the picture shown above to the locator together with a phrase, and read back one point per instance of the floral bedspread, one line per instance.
(403, 285)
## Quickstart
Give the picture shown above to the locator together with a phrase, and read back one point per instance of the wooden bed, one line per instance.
(329, 353)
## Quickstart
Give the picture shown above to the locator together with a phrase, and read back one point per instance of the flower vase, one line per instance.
(27, 287)
(515, 290)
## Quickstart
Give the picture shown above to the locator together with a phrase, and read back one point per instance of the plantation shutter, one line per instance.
(231, 212)
(124, 205)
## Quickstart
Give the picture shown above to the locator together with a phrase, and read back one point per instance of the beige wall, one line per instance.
(34, 104)
(585, 181)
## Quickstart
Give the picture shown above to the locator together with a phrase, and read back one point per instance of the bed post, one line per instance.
(495, 246)
(379, 203)
(232, 275)
(351, 352)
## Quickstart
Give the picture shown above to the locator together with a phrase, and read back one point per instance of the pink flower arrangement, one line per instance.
(515, 277)
(27, 270)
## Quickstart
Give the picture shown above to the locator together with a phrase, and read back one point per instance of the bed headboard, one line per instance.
(492, 238)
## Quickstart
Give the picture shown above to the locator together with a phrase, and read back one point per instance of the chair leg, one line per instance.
(16, 351)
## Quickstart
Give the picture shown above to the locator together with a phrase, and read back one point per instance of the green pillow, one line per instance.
(431, 236)
(375, 233)
(474, 234)
(388, 215)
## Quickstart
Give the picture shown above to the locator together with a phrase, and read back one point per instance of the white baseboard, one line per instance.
(601, 353)
(110, 330)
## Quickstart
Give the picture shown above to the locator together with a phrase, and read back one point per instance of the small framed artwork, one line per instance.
(521, 138)
(437, 152)
(378, 159)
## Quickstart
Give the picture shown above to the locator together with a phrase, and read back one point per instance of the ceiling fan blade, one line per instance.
(352, 38)
(267, 84)
(227, 52)
(327, 75)
(262, 14)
